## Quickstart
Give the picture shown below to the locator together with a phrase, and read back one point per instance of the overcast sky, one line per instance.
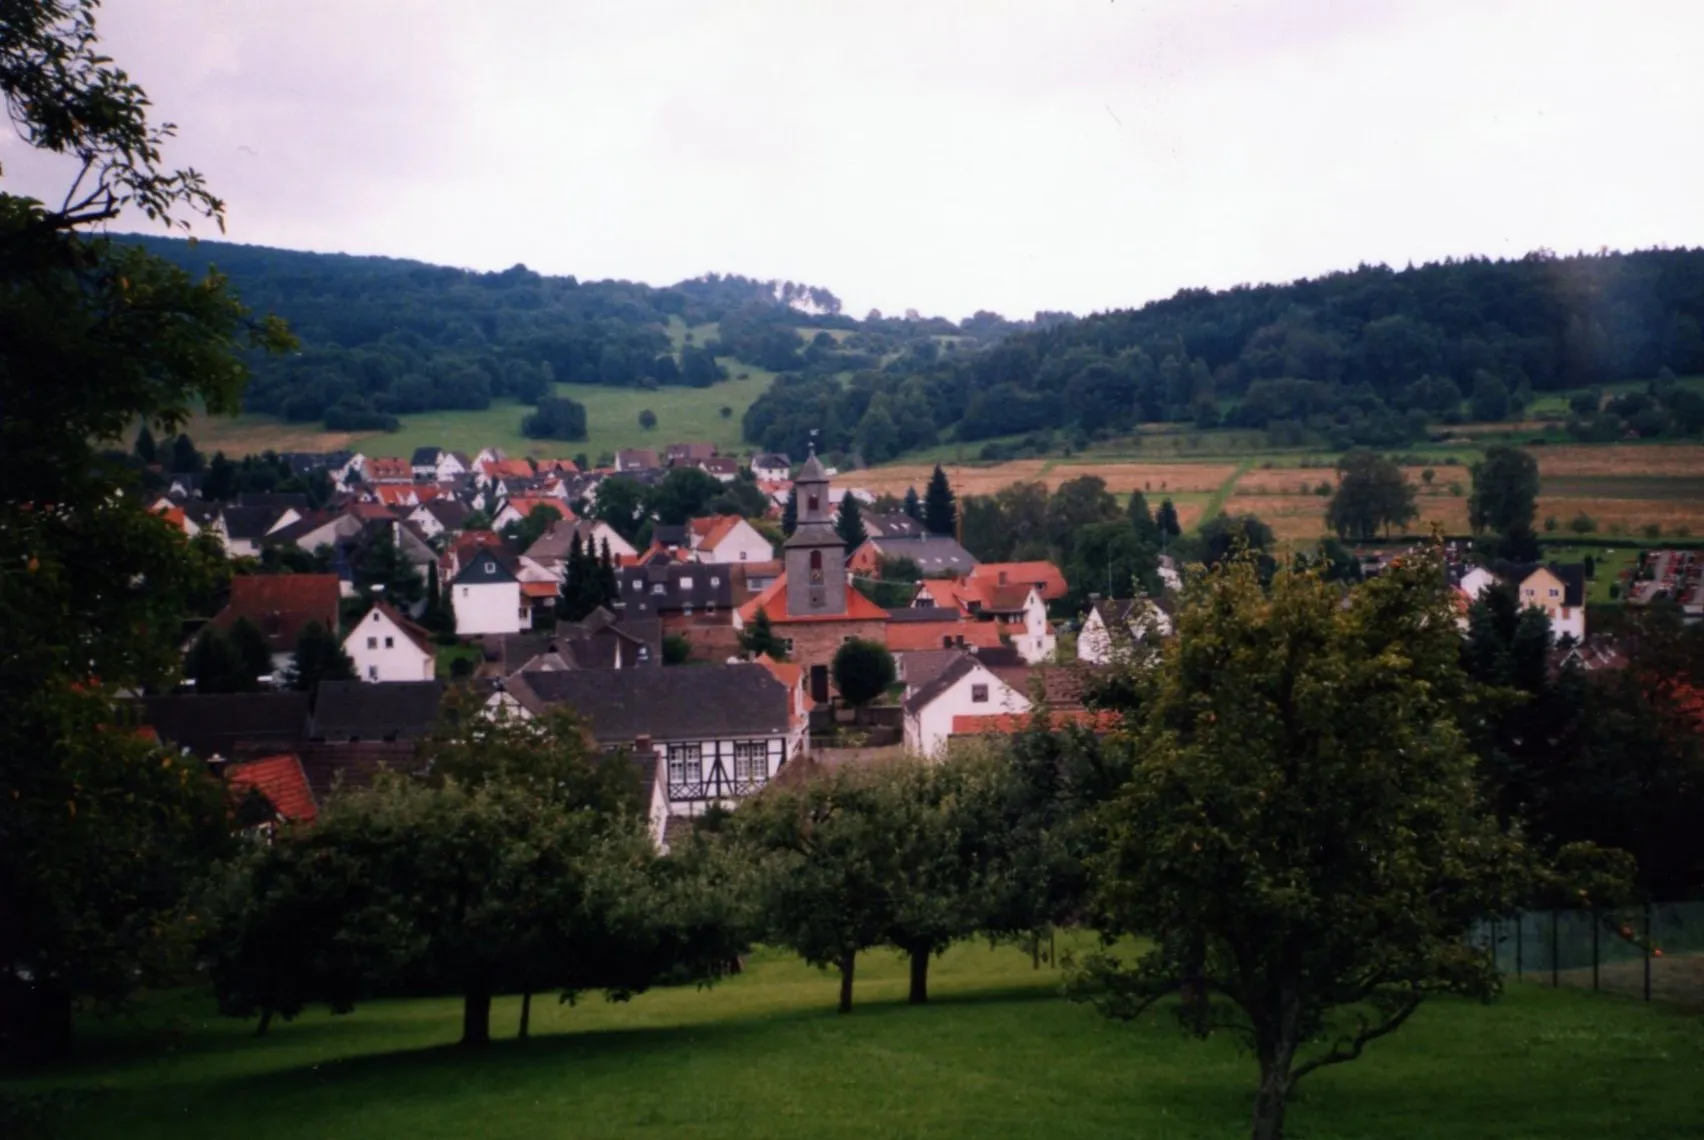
(943, 155)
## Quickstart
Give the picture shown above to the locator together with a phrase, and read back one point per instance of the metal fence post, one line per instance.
(1596, 923)
(1555, 948)
(1647, 952)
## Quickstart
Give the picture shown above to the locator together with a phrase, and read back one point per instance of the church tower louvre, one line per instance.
(814, 556)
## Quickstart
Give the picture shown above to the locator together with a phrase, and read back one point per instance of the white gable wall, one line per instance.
(1037, 642)
(927, 729)
(383, 652)
(742, 543)
(489, 607)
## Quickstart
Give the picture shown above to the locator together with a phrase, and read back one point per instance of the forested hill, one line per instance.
(1372, 356)
(382, 337)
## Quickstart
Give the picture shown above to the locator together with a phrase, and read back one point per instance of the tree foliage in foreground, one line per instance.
(1302, 837)
(99, 830)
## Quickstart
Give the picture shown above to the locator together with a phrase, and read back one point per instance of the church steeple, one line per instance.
(814, 555)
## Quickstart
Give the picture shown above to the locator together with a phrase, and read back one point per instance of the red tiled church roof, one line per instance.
(773, 601)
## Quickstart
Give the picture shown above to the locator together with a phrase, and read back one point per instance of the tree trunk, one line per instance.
(265, 1023)
(919, 975)
(1273, 1096)
(476, 1018)
(1035, 950)
(847, 962)
(526, 1014)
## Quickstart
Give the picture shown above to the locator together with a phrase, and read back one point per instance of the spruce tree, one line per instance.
(319, 657)
(850, 524)
(606, 575)
(790, 513)
(1165, 519)
(1142, 520)
(759, 638)
(940, 508)
(146, 449)
(913, 505)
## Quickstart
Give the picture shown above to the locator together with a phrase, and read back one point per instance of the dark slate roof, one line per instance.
(425, 457)
(451, 515)
(250, 523)
(924, 613)
(353, 763)
(892, 524)
(700, 585)
(665, 535)
(391, 710)
(812, 472)
(484, 568)
(279, 501)
(228, 724)
(771, 459)
(933, 553)
(953, 671)
(680, 703)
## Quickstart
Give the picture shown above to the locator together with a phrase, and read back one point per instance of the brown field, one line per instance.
(1621, 459)
(1632, 515)
(1301, 518)
(244, 437)
(1121, 477)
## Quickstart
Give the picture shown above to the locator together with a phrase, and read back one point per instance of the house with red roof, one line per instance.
(727, 538)
(387, 469)
(279, 605)
(277, 786)
(518, 507)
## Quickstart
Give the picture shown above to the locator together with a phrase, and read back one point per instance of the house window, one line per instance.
(375, 615)
(816, 565)
(751, 761)
(715, 581)
(686, 610)
(742, 556)
(390, 643)
(685, 583)
(979, 694)
(637, 585)
(787, 644)
(464, 591)
(1553, 593)
(372, 643)
(946, 641)
(686, 764)
(659, 588)
(372, 672)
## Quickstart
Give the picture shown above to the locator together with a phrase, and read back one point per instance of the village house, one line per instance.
(387, 470)
(280, 786)
(243, 527)
(934, 555)
(727, 538)
(718, 732)
(486, 596)
(280, 605)
(440, 515)
(518, 507)
(771, 467)
(552, 548)
(1114, 625)
(965, 687)
(636, 459)
(386, 646)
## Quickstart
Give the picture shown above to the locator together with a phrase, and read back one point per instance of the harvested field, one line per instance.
(1629, 515)
(1651, 459)
(1304, 480)
(1150, 478)
(1623, 487)
(1301, 518)
(248, 435)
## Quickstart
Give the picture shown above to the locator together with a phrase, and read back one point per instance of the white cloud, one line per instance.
(946, 155)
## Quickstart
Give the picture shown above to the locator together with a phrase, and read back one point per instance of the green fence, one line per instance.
(1654, 952)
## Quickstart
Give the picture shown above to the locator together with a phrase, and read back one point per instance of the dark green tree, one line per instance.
(913, 504)
(216, 665)
(1142, 519)
(146, 449)
(760, 638)
(940, 506)
(251, 648)
(1301, 838)
(790, 513)
(1505, 492)
(1490, 399)
(319, 657)
(684, 493)
(648, 419)
(863, 670)
(1165, 519)
(849, 523)
(621, 503)
(100, 830)
(185, 459)
(1371, 496)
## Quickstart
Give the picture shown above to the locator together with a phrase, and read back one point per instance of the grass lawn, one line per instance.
(996, 1054)
(612, 422)
(448, 655)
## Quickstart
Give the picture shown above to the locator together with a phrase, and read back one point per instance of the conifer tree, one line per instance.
(850, 523)
(913, 505)
(940, 507)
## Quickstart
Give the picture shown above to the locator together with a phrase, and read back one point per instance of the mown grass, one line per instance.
(997, 1053)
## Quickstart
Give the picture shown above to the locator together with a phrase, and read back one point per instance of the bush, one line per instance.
(1455, 489)
(1582, 523)
(1614, 591)
(647, 419)
(863, 670)
(1651, 530)
(677, 650)
(557, 417)
(1549, 522)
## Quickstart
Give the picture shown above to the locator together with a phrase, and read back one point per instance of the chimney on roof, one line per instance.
(1002, 577)
(642, 745)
